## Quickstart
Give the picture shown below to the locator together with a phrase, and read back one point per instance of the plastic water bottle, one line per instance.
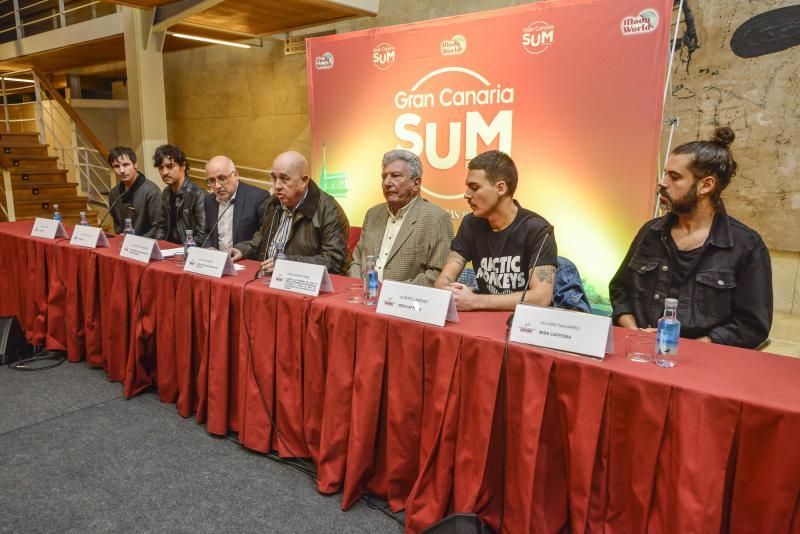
(56, 213)
(128, 227)
(279, 254)
(188, 244)
(371, 283)
(669, 330)
(83, 221)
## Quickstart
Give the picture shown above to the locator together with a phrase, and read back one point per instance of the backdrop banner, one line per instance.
(572, 89)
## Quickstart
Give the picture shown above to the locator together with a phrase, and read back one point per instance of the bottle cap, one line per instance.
(127, 220)
(671, 303)
(189, 232)
(83, 214)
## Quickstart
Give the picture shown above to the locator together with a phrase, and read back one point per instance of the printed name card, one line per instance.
(88, 236)
(303, 278)
(209, 262)
(141, 249)
(416, 303)
(570, 331)
(48, 228)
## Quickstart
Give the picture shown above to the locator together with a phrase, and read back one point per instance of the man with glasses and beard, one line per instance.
(234, 209)
(717, 268)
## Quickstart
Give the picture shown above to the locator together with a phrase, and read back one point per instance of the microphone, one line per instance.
(530, 277)
(111, 207)
(269, 239)
(233, 200)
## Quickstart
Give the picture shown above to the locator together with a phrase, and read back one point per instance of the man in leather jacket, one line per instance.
(717, 268)
(183, 203)
(307, 223)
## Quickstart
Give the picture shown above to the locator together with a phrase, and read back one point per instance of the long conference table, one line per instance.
(434, 420)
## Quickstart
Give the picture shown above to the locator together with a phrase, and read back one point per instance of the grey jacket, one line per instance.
(141, 203)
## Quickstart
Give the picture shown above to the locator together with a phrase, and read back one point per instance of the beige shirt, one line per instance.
(225, 226)
(393, 225)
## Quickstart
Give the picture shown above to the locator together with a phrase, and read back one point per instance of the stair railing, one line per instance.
(32, 103)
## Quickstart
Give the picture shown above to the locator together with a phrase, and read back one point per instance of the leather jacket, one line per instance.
(318, 233)
(189, 204)
(727, 294)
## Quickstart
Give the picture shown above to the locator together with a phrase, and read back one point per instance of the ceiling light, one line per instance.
(207, 40)
(15, 79)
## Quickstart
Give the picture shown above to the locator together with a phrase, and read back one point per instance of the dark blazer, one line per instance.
(248, 210)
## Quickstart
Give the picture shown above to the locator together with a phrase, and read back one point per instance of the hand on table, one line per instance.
(236, 254)
(465, 298)
(268, 265)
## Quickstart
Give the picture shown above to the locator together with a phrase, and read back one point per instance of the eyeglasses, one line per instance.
(221, 179)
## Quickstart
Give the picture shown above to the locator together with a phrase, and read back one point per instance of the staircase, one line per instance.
(37, 182)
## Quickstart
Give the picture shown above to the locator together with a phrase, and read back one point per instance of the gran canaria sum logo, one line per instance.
(448, 117)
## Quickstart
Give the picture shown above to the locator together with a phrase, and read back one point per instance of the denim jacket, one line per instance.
(727, 296)
(568, 292)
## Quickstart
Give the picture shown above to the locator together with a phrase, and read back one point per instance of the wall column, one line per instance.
(146, 104)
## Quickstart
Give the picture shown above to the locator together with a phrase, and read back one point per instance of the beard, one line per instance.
(682, 205)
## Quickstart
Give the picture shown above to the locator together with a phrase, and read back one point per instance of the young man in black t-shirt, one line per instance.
(504, 241)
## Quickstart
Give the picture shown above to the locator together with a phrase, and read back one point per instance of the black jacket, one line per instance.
(318, 234)
(248, 210)
(726, 296)
(189, 203)
(141, 203)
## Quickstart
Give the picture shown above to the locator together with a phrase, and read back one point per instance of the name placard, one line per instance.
(416, 303)
(48, 228)
(581, 333)
(141, 249)
(89, 237)
(209, 262)
(303, 278)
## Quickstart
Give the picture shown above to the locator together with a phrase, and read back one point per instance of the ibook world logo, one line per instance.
(646, 22)
(324, 62)
(455, 46)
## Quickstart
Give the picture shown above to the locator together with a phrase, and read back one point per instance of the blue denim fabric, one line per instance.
(568, 291)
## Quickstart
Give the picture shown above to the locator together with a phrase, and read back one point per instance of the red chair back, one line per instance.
(352, 239)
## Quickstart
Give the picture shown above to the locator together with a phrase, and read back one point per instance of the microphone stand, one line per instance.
(530, 278)
(217, 223)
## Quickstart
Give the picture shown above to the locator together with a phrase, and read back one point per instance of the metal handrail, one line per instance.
(58, 12)
(245, 177)
(66, 134)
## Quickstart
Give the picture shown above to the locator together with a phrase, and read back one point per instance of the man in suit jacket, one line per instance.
(237, 206)
(409, 236)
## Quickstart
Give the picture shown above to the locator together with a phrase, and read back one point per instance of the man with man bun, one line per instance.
(717, 267)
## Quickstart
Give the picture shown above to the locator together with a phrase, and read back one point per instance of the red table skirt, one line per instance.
(435, 420)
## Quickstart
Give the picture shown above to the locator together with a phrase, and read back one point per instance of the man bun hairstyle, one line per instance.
(712, 158)
(498, 166)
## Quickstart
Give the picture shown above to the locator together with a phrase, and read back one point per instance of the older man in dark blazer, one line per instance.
(409, 237)
(234, 209)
